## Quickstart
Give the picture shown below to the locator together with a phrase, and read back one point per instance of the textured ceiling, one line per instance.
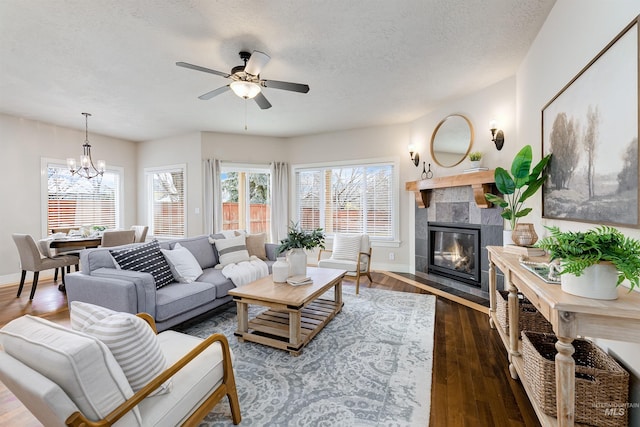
(368, 62)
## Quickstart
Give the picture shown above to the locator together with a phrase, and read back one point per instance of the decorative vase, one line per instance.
(524, 234)
(280, 270)
(506, 237)
(597, 282)
(297, 262)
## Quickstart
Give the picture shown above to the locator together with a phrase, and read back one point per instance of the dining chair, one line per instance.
(117, 237)
(32, 260)
(141, 232)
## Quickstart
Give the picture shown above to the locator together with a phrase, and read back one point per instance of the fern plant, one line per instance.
(579, 250)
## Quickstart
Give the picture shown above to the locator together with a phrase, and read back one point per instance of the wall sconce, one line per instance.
(414, 158)
(497, 136)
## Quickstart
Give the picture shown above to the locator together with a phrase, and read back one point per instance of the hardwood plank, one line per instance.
(493, 400)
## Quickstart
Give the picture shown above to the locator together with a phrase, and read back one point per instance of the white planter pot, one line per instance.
(506, 237)
(297, 262)
(280, 270)
(596, 282)
(475, 163)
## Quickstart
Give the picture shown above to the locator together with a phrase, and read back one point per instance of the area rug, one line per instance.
(370, 366)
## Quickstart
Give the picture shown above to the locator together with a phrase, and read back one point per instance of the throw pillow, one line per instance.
(255, 244)
(346, 246)
(183, 264)
(231, 250)
(146, 258)
(130, 339)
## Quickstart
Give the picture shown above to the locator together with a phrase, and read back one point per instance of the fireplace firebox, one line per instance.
(454, 251)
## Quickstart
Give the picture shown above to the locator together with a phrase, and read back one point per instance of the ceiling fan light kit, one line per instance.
(246, 90)
(247, 83)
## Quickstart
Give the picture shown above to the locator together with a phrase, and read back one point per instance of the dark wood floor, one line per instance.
(471, 383)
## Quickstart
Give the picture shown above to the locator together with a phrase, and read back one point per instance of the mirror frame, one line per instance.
(469, 145)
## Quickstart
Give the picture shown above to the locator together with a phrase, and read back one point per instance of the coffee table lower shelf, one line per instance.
(273, 327)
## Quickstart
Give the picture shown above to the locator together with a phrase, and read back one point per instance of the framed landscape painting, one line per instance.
(591, 128)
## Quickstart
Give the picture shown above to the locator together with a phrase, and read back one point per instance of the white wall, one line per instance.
(24, 143)
(573, 34)
(178, 150)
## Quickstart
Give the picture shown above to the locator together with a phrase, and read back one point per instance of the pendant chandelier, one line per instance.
(87, 169)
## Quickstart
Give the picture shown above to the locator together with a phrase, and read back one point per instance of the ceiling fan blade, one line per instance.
(256, 62)
(203, 69)
(262, 102)
(295, 87)
(214, 92)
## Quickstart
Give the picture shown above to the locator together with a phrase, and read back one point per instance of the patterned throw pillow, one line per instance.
(146, 258)
(346, 246)
(130, 339)
(231, 250)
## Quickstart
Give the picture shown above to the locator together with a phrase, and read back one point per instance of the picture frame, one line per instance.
(591, 128)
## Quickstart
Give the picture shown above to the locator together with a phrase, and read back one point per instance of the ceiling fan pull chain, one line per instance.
(245, 114)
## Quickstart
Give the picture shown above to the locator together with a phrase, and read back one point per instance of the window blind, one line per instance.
(74, 201)
(167, 212)
(347, 199)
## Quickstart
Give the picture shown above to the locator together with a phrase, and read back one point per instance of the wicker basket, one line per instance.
(602, 385)
(530, 319)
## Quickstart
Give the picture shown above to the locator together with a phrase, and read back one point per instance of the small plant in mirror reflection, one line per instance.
(474, 156)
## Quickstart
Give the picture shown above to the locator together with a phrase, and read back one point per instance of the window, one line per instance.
(74, 201)
(166, 189)
(246, 198)
(348, 199)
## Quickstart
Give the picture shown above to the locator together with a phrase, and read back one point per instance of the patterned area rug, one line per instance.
(370, 366)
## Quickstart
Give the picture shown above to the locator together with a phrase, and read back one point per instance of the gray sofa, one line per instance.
(100, 282)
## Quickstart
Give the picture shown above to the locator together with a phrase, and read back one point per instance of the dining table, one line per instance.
(50, 244)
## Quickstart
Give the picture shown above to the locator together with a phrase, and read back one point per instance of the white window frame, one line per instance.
(247, 168)
(148, 179)
(45, 162)
(394, 241)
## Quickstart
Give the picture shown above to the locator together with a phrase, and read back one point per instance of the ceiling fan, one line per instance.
(246, 82)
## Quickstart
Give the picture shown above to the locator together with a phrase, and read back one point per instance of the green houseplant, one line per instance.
(475, 156)
(295, 243)
(519, 185)
(578, 251)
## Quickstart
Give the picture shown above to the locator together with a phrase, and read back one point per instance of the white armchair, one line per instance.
(66, 377)
(351, 252)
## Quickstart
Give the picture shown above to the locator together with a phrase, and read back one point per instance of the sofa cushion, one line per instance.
(231, 250)
(80, 364)
(217, 279)
(146, 258)
(201, 249)
(179, 298)
(184, 266)
(130, 339)
(255, 245)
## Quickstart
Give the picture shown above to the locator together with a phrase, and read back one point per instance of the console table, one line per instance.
(571, 317)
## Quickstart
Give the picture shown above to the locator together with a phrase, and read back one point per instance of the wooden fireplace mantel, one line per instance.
(481, 182)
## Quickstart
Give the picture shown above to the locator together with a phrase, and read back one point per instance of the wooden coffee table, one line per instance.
(296, 313)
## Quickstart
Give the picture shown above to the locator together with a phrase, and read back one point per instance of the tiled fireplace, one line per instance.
(456, 209)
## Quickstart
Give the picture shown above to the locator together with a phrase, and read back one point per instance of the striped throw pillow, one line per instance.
(231, 250)
(146, 258)
(346, 246)
(129, 338)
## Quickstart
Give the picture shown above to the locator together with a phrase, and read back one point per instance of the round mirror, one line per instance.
(451, 140)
